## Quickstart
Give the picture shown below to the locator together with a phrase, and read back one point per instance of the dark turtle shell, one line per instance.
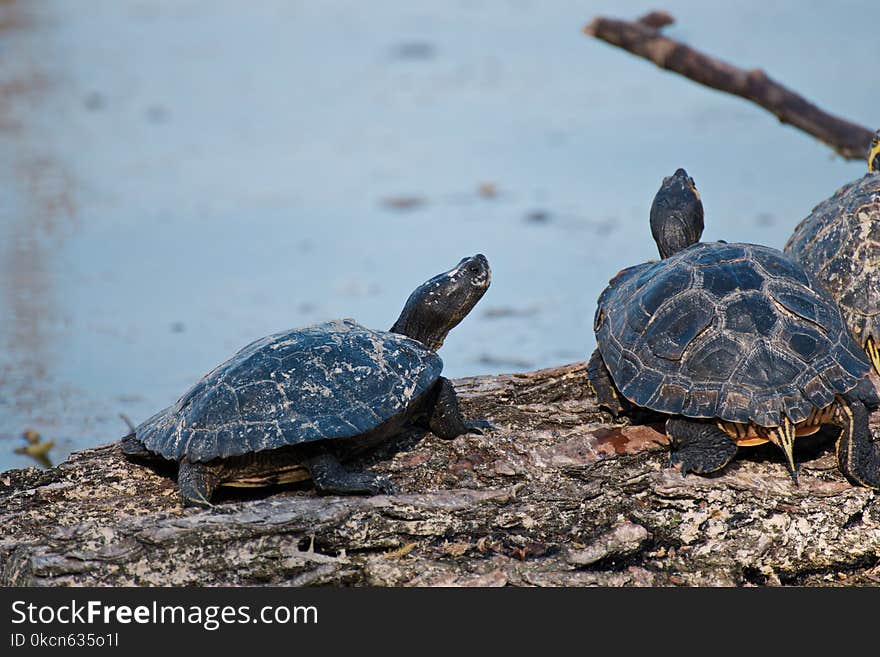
(839, 245)
(733, 331)
(326, 381)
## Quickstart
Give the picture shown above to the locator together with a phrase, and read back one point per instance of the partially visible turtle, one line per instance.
(290, 406)
(734, 344)
(839, 245)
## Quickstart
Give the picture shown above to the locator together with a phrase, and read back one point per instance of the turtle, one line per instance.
(838, 243)
(294, 405)
(732, 344)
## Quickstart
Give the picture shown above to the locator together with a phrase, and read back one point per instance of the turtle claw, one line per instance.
(479, 427)
(197, 502)
(696, 463)
(680, 464)
(371, 484)
(385, 486)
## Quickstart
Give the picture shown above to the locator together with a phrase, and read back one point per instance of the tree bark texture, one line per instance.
(557, 494)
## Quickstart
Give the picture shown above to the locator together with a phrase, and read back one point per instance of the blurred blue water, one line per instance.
(180, 177)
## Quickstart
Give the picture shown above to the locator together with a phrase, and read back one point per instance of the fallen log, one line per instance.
(556, 494)
(643, 38)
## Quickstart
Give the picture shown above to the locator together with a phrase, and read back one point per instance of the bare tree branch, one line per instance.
(643, 38)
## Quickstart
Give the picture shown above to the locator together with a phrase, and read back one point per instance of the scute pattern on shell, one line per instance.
(733, 331)
(332, 380)
(839, 244)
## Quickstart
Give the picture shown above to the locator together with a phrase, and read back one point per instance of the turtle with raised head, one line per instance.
(293, 405)
(734, 344)
(838, 243)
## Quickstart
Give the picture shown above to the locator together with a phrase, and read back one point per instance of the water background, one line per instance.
(179, 177)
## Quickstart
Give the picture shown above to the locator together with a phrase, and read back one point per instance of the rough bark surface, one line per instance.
(643, 38)
(556, 494)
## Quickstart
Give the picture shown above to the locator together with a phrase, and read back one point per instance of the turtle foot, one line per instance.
(330, 477)
(698, 447)
(479, 426)
(358, 483)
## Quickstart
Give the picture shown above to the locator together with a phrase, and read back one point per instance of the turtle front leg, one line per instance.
(446, 420)
(699, 447)
(196, 482)
(330, 477)
(858, 455)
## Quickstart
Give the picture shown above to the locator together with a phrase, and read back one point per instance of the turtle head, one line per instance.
(676, 214)
(874, 154)
(438, 305)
